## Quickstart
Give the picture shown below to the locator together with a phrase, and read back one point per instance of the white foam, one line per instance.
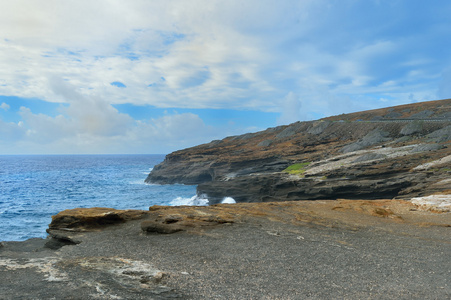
(228, 200)
(434, 202)
(147, 171)
(137, 182)
(193, 201)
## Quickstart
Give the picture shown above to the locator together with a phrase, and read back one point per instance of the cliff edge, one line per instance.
(397, 152)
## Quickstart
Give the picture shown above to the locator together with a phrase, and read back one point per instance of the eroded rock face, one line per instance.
(166, 219)
(67, 225)
(366, 155)
(81, 219)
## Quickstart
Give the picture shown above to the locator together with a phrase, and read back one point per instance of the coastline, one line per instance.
(284, 250)
(35, 187)
(378, 228)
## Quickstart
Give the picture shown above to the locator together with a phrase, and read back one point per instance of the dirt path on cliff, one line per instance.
(292, 250)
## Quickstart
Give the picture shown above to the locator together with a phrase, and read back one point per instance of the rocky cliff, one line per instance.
(396, 152)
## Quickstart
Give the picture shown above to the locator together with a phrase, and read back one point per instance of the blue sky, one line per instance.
(142, 76)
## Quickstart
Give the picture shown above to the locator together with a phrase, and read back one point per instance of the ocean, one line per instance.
(35, 187)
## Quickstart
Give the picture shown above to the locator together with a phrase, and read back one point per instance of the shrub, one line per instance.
(297, 169)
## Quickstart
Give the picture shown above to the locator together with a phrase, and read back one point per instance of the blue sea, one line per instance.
(35, 187)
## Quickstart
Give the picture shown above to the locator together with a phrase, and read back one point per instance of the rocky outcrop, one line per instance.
(195, 219)
(283, 250)
(67, 225)
(166, 219)
(365, 155)
(81, 219)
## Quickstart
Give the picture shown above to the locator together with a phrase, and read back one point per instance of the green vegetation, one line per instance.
(297, 169)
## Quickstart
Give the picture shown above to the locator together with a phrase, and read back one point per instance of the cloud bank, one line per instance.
(299, 59)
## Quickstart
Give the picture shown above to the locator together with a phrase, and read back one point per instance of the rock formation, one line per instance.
(355, 249)
(398, 152)
(347, 248)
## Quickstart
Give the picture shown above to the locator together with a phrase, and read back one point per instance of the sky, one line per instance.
(155, 76)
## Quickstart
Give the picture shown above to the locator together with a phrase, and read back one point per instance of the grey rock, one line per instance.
(375, 137)
(193, 173)
(278, 188)
(426, 147)
(422, 114)
(441, 135)
(296, 258)
(265, 143)
(370, 156)
(392, 115)
(412, 128)
(245, 137)
(318, 127)
(240, 169)
(446, 115)
(290, 130)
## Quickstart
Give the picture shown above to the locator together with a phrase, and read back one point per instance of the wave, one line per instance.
(147, 172)
(198, 201)
(228, 200)
(193, 201)
(140, 181)
(33, 188)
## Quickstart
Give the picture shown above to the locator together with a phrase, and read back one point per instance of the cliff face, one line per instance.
(397, 152)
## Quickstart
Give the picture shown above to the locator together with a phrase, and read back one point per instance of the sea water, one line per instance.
(35, 187)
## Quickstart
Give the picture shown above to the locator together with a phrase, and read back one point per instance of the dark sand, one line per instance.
(343, 254)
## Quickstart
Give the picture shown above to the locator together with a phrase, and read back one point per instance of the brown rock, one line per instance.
(347, 156)
(155, 227)
(168, 219)
(79, 219)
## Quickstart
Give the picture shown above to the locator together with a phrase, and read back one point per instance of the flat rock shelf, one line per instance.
(352, 249)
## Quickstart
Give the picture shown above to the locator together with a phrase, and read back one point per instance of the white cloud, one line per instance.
(97, 117)
(291, 109)
(41, 128)
(88, 124)
(10, 132)
(244, 55)
(4, 106)
(90, 127)
(210, 53)
(175, 131)
(82, 118)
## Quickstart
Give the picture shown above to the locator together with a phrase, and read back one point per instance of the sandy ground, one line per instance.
(289, 250)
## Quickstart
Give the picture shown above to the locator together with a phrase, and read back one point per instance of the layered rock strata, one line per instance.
(397, 152)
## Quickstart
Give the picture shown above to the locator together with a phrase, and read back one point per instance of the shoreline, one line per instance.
(305, 249)
(439, 203)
